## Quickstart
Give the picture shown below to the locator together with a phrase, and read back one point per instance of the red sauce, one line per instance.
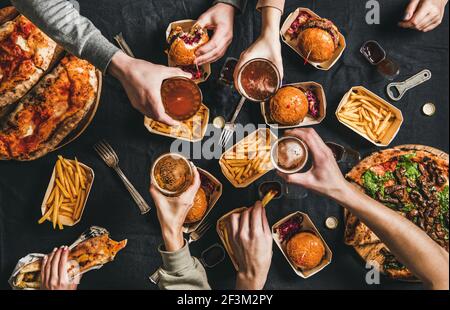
(390, 165)
(11, 55)
(181, 98)
(259, 80)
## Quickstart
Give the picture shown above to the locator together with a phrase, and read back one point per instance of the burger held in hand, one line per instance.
(183, 45)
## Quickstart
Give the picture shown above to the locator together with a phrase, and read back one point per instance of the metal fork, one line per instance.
(199, 232)
(109, 156)
(230, 126)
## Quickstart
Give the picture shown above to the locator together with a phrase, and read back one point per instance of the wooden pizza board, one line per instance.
(371, 252)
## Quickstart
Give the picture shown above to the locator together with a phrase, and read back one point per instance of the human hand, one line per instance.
(251, 243)
(424, 15)
(142, 82)
(172, 213)
(324, 176)
(54, 274)
(219, 18)
(264, 47)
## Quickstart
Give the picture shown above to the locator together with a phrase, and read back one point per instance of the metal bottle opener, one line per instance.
(403, 87)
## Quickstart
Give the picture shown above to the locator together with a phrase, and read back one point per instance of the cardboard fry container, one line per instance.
(253, 178)
(309, 120)
(292, 43)
(223, 234)
(186, 25)
(192, 135)
(67, 221)
(392, 131)
(213, 197)
(307, 225)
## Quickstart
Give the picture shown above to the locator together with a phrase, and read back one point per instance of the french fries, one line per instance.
(69, 192)
(190, 129)
(249, 159)
(367, 115)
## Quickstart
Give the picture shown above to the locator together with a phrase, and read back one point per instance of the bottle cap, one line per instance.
(429, 109)
(331, 222)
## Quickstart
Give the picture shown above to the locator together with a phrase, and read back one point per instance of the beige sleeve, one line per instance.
(278, 4)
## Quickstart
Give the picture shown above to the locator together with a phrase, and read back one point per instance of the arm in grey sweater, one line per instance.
(60, 20)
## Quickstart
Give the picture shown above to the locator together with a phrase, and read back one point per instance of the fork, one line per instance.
(109, 156)
(230, 126)
(199, 232)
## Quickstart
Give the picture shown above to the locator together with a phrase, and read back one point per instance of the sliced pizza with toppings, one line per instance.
(50, 111)
(25, 54)
(415, 184)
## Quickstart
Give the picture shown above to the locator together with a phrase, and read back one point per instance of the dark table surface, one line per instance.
(143, 23)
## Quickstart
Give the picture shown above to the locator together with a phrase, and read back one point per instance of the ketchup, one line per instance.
(181, 98)
(259, 80)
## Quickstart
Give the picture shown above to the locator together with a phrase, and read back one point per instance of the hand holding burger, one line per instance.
(172, 212)
(251, 243)
(220, 19)
(424, 15)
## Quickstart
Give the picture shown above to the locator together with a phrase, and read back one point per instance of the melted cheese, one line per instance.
(22, 43)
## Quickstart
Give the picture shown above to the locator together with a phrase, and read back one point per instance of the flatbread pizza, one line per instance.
(50, 111)
(414, 182)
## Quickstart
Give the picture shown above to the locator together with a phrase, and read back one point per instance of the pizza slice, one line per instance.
(25, 55)
(49, 112)
(89, 254)
(413, 183)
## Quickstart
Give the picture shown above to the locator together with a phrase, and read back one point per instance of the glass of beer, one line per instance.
(172, 174)
(181, 98)
(289, 155)
(258, 80)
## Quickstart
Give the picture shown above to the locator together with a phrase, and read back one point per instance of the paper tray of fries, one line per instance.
(292, 43)
(213, 190)
(249, 159)
(370, 116)
(193, 129)
(222, 231)
(186, 25)
(309, 120)
(306, 225)
(67, 193)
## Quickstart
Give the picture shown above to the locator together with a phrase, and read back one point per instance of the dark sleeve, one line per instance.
(238, 4)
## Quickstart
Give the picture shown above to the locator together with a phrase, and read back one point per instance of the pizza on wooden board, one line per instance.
(50, 111)
(414, 183)
(25, 55)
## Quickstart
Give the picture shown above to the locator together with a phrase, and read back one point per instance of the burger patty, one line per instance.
(324, 24)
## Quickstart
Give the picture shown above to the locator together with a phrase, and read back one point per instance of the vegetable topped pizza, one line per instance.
(412, 182)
